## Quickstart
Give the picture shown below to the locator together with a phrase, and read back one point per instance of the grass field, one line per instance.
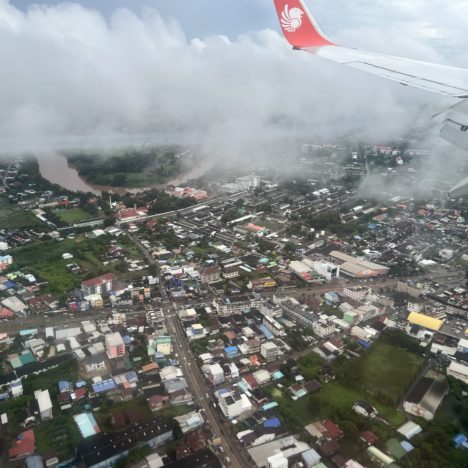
(44, 260)
(73, 215)
(332, 397)
(388, 370)
(16, 219)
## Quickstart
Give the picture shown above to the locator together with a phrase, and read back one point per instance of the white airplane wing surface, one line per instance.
(302, 32)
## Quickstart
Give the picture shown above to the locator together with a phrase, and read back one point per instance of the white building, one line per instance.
(44, 403)
(322, 328)
(269, 351)
(233, 403)
(458, 371)
(358, 293)
(328, 270)
(215, 374)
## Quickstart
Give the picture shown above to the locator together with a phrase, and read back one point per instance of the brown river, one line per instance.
(55, 168)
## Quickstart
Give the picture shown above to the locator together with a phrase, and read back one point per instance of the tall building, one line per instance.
(115, 346)
(100, 285)
(44, 403)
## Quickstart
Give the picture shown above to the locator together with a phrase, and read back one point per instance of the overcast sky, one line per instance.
(214, 69)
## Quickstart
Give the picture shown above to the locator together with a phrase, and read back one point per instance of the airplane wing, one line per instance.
(302, 32)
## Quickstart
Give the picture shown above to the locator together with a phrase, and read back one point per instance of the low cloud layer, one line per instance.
(74, 78)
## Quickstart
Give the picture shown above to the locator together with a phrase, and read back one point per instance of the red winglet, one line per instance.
(298, 26)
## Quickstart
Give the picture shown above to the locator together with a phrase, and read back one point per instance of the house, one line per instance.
(156, 402)
(368, 437)
(115, 346)
(190, 421)
(95, 365)
(44, 403)
(25, 445)
(364, 409)
(426, 396)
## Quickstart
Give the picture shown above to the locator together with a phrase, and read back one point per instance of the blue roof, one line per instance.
(132, 377)
(277, 375)
(127, 340)
(272, 422)
(265, 331)
(10, 284)
(80, 384)
(64, 385)
(407, 447)
(231, 350)
(460, 439)
(104, 386)
(268, 406)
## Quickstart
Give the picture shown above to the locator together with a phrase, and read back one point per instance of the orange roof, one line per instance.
(25, 444)
(149, 367)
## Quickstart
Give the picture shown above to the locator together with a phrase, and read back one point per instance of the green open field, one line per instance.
(73, 215)
(333, 397)
(44, 259)
(14, 218)
(388, 370)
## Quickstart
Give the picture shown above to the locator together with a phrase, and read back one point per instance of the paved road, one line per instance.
(203, 396)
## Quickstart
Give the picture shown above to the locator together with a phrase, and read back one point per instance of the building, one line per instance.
(5, 262)
(211, 274)
(322, 328)
(327, 270)
(101, 285)
(357, 294)
(425, 397)
(262, 283)
(425, 321)
(232, 402)
(44, 403)
(237, 305)
(458, 371)
(115, 346)
(128, 215)
(357, 268)
(103, 449)
(25, 445)
(215, 374)
(269, 351)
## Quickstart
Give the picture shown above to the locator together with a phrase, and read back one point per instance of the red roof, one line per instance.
(250, 380)
(369, 437)
(6, 313)
(333, 430)
(25, 444)
(80, 393)
(100, 280)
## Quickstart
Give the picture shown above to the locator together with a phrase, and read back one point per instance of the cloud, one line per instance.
(74, 77)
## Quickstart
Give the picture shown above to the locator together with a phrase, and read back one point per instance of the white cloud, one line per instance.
(71, 76)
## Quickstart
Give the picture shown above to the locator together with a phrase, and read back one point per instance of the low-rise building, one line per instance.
(458, 371)
(233, 403)
(323, 328)
(269, 351)
(44, 404)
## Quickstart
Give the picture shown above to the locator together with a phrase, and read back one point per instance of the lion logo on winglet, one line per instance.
(291, 19)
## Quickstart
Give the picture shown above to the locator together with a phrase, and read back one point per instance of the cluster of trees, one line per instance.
(332, 221)
(163, 203)
(98, 168)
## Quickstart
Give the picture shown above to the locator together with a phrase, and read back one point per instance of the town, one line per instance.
(247, 318)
